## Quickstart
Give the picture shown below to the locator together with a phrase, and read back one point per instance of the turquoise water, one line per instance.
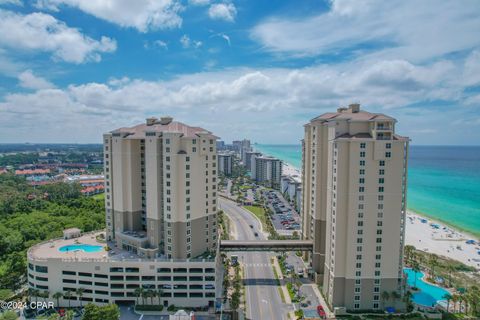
(82, 247)
(428, 294)
(443, 181)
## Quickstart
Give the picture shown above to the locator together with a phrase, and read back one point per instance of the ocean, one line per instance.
(443, 181)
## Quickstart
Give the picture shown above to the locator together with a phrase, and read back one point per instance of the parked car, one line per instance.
(321, 312)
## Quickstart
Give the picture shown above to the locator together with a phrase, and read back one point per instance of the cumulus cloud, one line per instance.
(30, 81)
(199, 2)
(144, 15)
(42, 32)
(399, 29)
(15, 2)
(222, 11)
(248, 100)
(186, 42)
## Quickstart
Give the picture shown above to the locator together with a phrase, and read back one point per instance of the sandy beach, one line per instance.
(432, 236)
(289, 170)
(429, 235)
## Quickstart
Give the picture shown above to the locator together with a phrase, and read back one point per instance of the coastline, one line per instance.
(442, 238)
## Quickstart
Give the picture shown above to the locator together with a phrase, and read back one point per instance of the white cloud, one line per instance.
(15, 2)
(399, 29)
(187, 42)
(199, 2)
(472, 69)
(222, 11)
(161, 44)
(261, 103)
(144, 15)
(42, 32)
(30, 81)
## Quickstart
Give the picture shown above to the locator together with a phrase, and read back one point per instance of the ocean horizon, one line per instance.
(443, 181)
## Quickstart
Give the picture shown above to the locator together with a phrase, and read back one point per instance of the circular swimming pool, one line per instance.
(80, 247)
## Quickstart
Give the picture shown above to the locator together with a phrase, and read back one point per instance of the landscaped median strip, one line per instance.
(278, 274)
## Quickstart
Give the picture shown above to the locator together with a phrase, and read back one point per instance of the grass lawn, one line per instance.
(100, 196)
(259, 212)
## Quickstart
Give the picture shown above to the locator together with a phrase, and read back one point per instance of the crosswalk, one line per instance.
(250, 265)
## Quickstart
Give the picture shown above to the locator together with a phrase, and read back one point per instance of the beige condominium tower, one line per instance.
(160, 190)
(354, 201)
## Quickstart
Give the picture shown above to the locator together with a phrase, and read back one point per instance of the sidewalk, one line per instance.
(320, 298)
(283, 287)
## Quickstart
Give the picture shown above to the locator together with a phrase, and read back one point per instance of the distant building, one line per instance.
(241, 147)
(225, 163)
(268, 171)
(220, 145)
(291, 189)
(354, 201)
(250, 158)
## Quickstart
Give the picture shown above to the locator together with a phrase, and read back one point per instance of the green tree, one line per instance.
(8, 315)
(385, 297)
(57, 296)
(107, 312)
(79, 293)
(68, 296)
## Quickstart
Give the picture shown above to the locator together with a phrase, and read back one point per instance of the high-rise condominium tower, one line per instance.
(160, 191)
(354, 200)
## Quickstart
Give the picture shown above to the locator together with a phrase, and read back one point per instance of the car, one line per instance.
(321, 312)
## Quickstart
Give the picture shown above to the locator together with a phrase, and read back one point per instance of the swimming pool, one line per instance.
(428, 294)
(81, 247)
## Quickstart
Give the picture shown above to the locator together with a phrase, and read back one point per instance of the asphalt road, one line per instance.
(262, 298)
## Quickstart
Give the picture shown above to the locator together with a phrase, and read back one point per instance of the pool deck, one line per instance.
(50, 250)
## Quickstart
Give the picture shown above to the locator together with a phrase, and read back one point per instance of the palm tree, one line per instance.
(79, 292)
(416, 269)
(475, 298)
(144, 295)
(33, 293)
(385, 297)
(159, 295)
(36, 294)
(450, 270)
(138, 293)
(395, 296)
(448, 297)
(68, 296)
(152, 294)
(432, 262)
(409, 254)
(45, 295)
(57, 296)
(455, 299)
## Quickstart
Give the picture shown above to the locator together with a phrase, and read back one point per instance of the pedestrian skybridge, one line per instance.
(266, 245)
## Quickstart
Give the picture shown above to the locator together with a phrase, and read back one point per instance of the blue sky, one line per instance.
(73, 69)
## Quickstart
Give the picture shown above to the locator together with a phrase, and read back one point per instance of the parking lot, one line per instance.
(285, 219)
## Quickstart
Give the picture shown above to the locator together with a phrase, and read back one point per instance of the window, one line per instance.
(362, 162)
(361, 180)
(380, 189)
(381, 172)
(362, 154)
(194, 149)
(362, 145)
(381, 180)
(362, 171)
(361, 189)
(379, 240)
(388, 146)
(388, 154)
(382, 163)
